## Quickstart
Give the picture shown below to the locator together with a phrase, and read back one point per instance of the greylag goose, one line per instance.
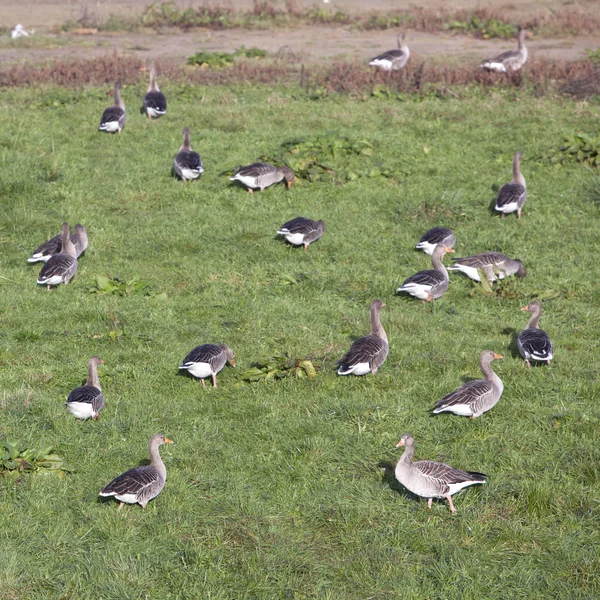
(155, 103)
(60, 268)
(533, 342)
(437, 235)
(207, 360)
(114, 117)
(511, 60)
(140, 484)
(475, 397)
(261, 175)
(430, 479)
(393, 60)
(495, 265)
(87, 400)
(368, 353)
(54, 245)
(301, 231)
(429, 285)
(187, 163)
(512, 195)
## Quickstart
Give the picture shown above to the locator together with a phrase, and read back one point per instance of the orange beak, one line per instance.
(101, 362)
(168, 441)
(525, 308)
(382, 305)
(448, 250)
(400, 443)
(498, 355)
(232, 363)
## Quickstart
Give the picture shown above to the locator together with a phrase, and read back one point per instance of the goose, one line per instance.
(495, 265)
(114, 117)
(533, 342)
(393, 60)
(430, 479)
(429, 285)
(437, 235)
(301, 231)
(368, 353)
(187, 163)
(511, 60)
(475, 397)
(261, 175)
(87, 400)
(54, 245)
(155, 103)
(207, 360)
(60, 268)
(512, 196)
(140, 484)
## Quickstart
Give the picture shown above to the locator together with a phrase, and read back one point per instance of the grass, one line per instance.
(276, 490)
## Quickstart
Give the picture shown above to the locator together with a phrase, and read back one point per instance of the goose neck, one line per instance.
(376, 326)
(535, 317)
(488, 373)
(155, 459)
(517, 175)
(92, 378)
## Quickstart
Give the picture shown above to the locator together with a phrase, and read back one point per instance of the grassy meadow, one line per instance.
(285, 489)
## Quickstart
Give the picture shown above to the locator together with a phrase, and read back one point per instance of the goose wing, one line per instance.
(480, 261)
(510, 193)
(390, 55)
(299, 225)
(431, 277)
(47, 249)
(207, 353)
(63, 265)
(503, 57)
(446, 474)
(111, 114)
(134, 481)
(87, 394)
(369, 349)
(258, 169)
(156, 100)
(436, 235)
(536, 343)
(188, 159)
(472, 393)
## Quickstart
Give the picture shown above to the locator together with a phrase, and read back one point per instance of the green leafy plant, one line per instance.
(120, 287)
(594, 55)
(485, 28)
(218, 60)
(17, 457)
(280, 366)
(581, 147)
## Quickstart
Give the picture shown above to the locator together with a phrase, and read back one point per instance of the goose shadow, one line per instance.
(389, 478)
(512, 346)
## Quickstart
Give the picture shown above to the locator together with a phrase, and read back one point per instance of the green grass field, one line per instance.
(276, 489)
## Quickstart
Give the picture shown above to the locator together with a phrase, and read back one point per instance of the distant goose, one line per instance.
(368, 353)
(155, 103)
(87, 400)
(534, 343)
(438, 235)
(60, 268)
(494, 264)
(430, 479)
(512, 196)
(207, 360)
(54, 245)
(429, 285)
(261, 175)
(140, 484)
(301, 231)
(114, 117)
(475, 397)
(511, 60)
(187, 163)
(393, 60)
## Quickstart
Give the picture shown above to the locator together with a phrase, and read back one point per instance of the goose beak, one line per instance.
(101, 362)
(498, 355)
(168, 441)
(400, 443)
(232, 363)
(382, 305)
(525, 308)
(289, 184)
(449, 250)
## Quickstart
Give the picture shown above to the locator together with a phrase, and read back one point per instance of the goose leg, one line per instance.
(452, 509)
(518, 213)
(429, 503)
(529, 364)
(48, 287)
(305, 247)
(203, 384)
(429, 297)
(503, 215)
(548, 362)
(214, 378)
(121, 505)
(250, 191)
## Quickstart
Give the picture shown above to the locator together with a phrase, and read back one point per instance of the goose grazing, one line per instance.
(187, 163)
(155, 103)
(475, 397)
(534, 343)
(140, 484)
(368, 353)
(60, 268)
(301, 231)
(393, 60)
(429, 285)
(114, 117)
(207, 360)
(87, 400)
(495, 265)
(261, 175)
(54, 245)
(430, 479)
(512, 195)
(511, 60)
(437, 235)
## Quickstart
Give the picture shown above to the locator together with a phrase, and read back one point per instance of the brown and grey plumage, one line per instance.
(114, 117)
(187, 163)
(301, 231)
(430, 479)
(87, 400)
(512, 195)
(534, 343)
(155, 103)
(437, 235)
(368, 353)
(54, 245)
(60, 268)
(207, 360)
(511, 60)
(393, 60)
(431, 284)
(261, 175)
(474, 397)
(495, 265)
(141, 484)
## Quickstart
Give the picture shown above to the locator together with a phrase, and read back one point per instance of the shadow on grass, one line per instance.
(514, 334)
(389, 477)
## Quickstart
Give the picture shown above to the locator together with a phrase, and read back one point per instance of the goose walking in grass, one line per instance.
(114, 117)
(262, 175)
(437, 235)
(155, 103)
(494, 265)
(430, 479)
(301, 231)
(187, 163)
(475, 397)
(512, 195)
(368, 353)
(141, 484)
(533, 342)
(87, 401)
(60, 268)
(207, 360)
(54, 246)
(393, 60)
(431, 284)
(511, 60)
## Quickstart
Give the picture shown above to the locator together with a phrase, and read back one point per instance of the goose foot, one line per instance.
(250, 191)
(121, 505)
(518, 213)
(203, 384)
(529, 364)
(48, 288)
(452, 509)
(429, 503)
